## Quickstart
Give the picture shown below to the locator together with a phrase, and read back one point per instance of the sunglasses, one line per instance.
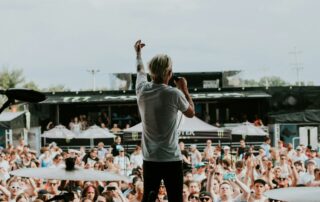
(53, 184)
(194, 197)
(15, 187)
(205, 199)
(217, 173)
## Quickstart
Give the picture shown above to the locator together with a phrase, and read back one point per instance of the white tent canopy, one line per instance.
(186, 124)
(63, 174)
(10, 120)
(295, 194)
(249, 129)
(59, 132)
(94, 132)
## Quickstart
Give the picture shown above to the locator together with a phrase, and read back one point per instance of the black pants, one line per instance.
(170, 172)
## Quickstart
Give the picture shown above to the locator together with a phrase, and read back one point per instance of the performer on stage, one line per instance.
(158, 105)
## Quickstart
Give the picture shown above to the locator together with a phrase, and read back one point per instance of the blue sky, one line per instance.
(56, 41)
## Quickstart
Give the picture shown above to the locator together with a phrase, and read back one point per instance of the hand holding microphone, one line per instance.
(181, 83)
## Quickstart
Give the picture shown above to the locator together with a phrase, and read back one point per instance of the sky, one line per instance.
(56, 42)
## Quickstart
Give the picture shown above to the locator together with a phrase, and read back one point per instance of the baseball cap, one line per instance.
(312, 161)
(299, 148)
(193, 146)
(199, 165)
(226, 147)
(73, 151)
(121, 149)
(205, 193)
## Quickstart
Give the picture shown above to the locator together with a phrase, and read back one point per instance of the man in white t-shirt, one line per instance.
(158, 105)
(4, 168)
(308, 176)
(123, 163)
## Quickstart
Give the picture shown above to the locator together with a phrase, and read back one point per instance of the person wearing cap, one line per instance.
(226, 153)
(159, 105)
(200, 173)
(122, 162)
(299, 155)
(313, 156)
(205, 197)
(308, 176)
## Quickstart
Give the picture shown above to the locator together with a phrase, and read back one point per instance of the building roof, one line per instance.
(87, 97)
(12, 120)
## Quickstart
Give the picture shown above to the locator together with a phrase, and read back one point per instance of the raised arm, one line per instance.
(138, 47)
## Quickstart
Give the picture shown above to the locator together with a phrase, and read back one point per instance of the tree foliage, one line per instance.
(56, 88)
(11, 78)
(266, 81)
(31, 85)
(273, 81)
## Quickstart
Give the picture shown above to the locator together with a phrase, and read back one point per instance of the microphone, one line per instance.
(175, 78)
(24, 95)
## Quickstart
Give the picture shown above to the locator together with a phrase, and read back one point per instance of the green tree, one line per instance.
(272, 81)
(31, 85)
(56, 88)
(249, 83)
(11, 79)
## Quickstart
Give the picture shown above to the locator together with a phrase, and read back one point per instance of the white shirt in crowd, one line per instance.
(102, 153)
(302, 158)
(4, 166)
(136, 160)
(123, 163)
(305, 178)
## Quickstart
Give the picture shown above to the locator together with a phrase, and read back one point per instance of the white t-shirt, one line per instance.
(123, 163)
(136, 160)
(102, 153)
(302, 158)
(5, 166)
(159, 105)
(305, 178)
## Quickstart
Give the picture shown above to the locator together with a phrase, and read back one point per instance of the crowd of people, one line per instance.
(153, 174)
(214, 174)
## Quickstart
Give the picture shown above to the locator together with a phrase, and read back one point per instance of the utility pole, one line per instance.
(93, 72)
(296, 65)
